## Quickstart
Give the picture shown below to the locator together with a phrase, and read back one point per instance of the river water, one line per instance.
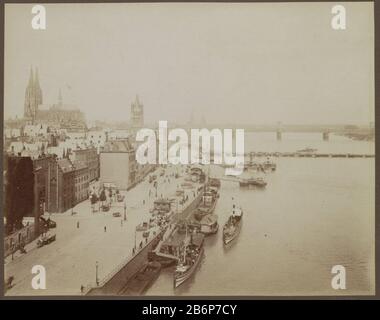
(314, 213)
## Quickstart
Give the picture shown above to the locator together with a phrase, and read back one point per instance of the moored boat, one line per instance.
(208, 203)
(257, 182)
(209, 224)
(233, 225)
(142, 280)
(269, 165)
(191, 254)
(243, 183)
(214, 182)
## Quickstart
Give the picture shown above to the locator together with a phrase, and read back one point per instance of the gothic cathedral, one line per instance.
(33, 96)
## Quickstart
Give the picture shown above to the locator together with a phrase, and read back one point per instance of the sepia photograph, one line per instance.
(189, 149)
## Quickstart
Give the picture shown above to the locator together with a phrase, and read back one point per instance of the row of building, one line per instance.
(61, 183)
(67, 156)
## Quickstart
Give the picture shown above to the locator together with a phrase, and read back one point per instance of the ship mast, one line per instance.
(184, 249)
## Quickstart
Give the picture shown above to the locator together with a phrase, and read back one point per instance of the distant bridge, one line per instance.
(280, 128)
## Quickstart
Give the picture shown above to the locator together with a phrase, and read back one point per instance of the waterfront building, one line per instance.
(81, 180)
(90, 158)
(118, 164)
(61, 187)
(28, 186)
(41, 166)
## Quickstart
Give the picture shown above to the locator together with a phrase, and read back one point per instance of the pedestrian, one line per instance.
(105, 229)
(144, 202)
(81, 288)
(77, 224)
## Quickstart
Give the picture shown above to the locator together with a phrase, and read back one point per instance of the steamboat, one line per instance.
(208, 203)
(233, 225)
(168, 246)
(190, 256)
(257, 182)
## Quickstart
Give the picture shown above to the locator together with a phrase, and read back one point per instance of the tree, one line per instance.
(102, 196)
(110, 194)
(94, 200)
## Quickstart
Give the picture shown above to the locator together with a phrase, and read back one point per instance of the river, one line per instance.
(314, 213)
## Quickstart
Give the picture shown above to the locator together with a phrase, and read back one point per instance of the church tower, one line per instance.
(38, 89)
(33, 96)
(137, 114)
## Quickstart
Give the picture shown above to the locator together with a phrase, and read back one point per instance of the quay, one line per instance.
(86, 251)
(117, 281)
(172, 231)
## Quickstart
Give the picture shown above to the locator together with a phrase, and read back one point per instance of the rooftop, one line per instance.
(118, 146)
(65, 165)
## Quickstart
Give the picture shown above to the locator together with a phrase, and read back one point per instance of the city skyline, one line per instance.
(156, 144)
(103, 74)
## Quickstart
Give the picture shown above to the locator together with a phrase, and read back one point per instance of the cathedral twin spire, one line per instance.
(34, 80)
(33, 95)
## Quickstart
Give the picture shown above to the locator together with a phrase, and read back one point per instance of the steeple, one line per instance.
(33, 95)
(137, 113)
(36, 79)
(31, 78)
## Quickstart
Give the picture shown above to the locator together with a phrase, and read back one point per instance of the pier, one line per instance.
(117, 280)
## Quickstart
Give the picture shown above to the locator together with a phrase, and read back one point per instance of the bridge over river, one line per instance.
(279, 129)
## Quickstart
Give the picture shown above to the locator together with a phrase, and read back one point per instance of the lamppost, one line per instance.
(96, 274)
(125, 211)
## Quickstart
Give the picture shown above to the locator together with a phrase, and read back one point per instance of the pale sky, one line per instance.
(232, 63)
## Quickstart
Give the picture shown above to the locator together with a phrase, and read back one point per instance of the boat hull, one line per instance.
(180, 279)
(202, 211)
(142, 280)
(229, 238)
(210, 231)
